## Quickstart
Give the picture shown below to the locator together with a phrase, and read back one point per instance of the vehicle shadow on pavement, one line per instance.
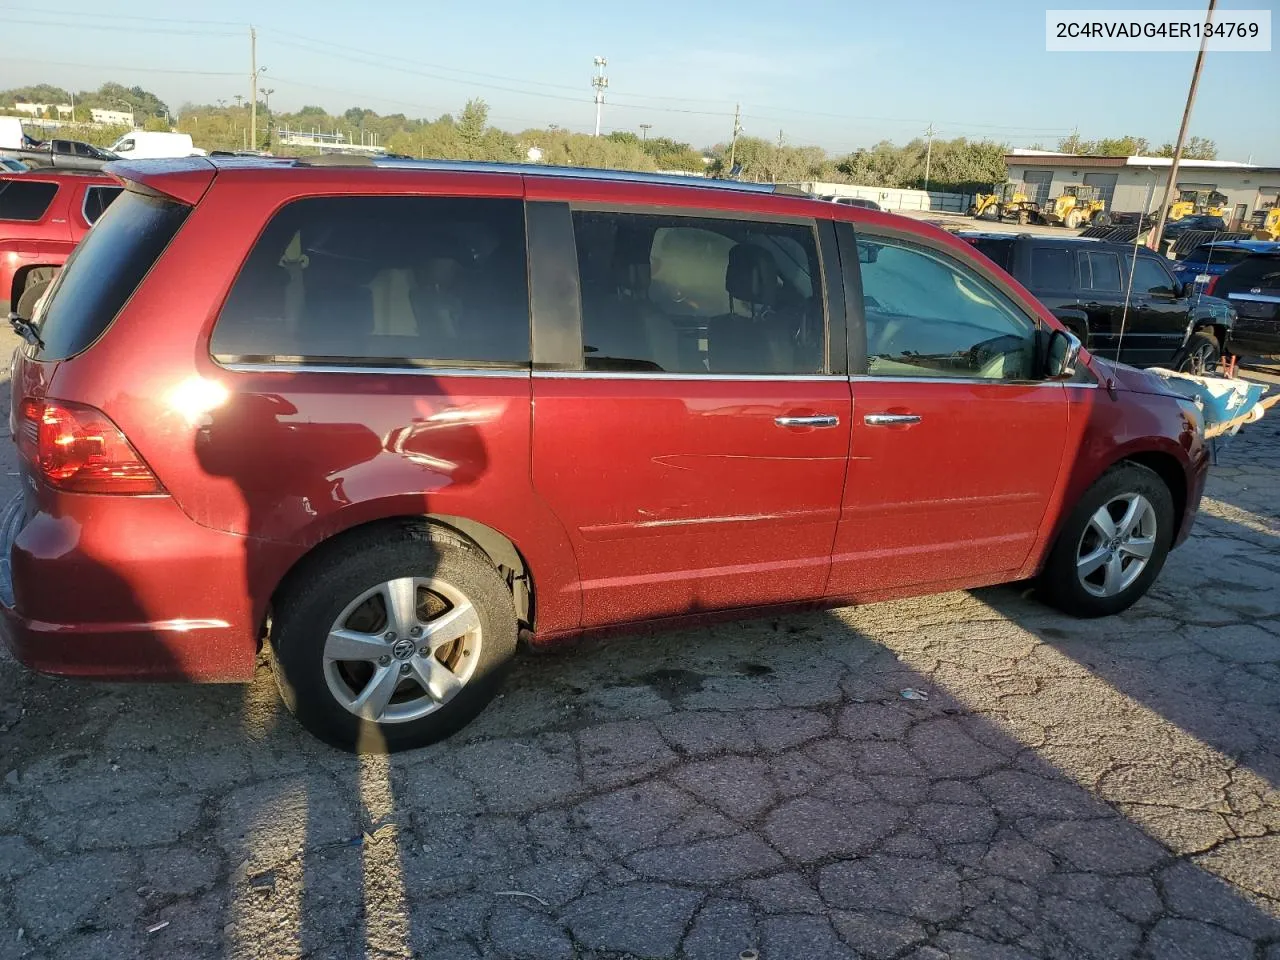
(762, 785)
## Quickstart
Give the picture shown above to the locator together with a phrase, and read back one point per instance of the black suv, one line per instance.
(1252, 286)
(1084, 283)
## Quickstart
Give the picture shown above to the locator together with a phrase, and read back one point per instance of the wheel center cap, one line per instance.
(403, 649)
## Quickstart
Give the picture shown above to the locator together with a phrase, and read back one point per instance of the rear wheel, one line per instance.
(1200, 355)
(395, 640)
(1073, 220)
(1112, 546)
(1023, 217)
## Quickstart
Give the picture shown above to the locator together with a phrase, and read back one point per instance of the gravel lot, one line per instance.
(1101, 789)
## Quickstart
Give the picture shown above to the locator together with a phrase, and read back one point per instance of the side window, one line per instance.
(96, 201)
(1152, 279)
(82, 149)
(929, 316)
(22, 199)
(674, 294)
(125, 145)
(1051, 269)
(1100, 271)
(387, 280)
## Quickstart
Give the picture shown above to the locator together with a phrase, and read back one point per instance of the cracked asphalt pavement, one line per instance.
(1102, 789)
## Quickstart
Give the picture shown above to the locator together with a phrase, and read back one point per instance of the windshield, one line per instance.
(104, 271)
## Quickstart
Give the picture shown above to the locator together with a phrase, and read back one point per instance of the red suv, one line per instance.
(390, 416)
(42, 218)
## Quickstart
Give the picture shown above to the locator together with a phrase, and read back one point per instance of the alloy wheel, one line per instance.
(402, 650)
(1116, 545)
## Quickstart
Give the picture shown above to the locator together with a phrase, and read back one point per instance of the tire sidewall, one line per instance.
(1060, 583)
(317, 597)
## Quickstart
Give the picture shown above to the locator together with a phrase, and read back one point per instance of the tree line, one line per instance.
(958, 165)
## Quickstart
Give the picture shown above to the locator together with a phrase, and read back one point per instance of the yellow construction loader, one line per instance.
(1077, 205)
(1008, 201)
(1191, 202)
(1265, 223)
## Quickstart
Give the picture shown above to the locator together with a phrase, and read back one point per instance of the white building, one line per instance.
(114, 118)
(1126, 182)
(42, 109)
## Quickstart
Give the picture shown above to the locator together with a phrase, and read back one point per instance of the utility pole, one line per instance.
(928, 157)
(733, 144)
(1158, 233)
(599, 82)
(253, 87)
(644, 132)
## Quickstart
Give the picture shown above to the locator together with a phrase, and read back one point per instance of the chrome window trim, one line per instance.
(395, 371)
(869, 378)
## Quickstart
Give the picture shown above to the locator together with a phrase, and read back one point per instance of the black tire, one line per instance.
(1200, 355)
(973, 210)
(1059, 584)
(322, 588)
(1023, 217)
(1102, 220)
(31, 293)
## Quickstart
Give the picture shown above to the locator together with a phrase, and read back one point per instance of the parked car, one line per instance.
(11, 165)
(61, 155)
(1199, 221)
(1085, 283)
(1211, 260)
(262, 401)
(1252, 286)
(855, 202)
(43, 215)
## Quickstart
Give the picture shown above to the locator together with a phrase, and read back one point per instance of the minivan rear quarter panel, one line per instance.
(202, 427)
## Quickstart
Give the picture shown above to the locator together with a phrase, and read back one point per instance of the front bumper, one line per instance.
(125, 588)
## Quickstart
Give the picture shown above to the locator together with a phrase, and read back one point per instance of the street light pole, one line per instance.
(266, 109)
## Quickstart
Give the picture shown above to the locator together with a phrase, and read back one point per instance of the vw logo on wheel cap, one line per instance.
(403, 649)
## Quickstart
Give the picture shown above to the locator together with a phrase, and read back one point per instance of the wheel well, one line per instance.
(1168, 469)
(1218, 330)
(502, 553)
(20, 279)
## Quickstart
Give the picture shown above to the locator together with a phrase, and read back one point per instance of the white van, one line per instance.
(11, 133)
(154, 145)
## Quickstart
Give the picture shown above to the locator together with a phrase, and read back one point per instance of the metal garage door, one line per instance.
(1106, 184)
(1038, 182)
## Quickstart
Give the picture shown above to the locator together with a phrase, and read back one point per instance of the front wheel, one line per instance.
(1200, 356)
(394, 640)
(1073, 220)
(1112, 546)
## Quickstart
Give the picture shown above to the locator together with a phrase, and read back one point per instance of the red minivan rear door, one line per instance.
(956, 446)
(695, 442)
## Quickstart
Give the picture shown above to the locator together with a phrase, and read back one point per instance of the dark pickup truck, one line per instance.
(61, 155)
(1084, 283)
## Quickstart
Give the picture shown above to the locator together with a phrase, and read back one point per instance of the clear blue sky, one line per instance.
(832, 72)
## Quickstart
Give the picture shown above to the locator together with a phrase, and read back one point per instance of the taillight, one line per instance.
(1208, 287)
(78, 449)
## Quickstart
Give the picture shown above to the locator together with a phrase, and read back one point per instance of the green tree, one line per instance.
(1196, 148)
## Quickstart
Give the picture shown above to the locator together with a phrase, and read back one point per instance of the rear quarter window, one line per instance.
(104, 271)
(383, 281)
(1000, 251)
(25, 199)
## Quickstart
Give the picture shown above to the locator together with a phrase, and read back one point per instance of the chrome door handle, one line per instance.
(819, 421)
(889, 419)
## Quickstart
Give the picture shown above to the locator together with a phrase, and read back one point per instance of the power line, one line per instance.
(105, 66)
(124, 29)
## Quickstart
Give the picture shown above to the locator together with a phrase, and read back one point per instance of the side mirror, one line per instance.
(1063, 355)
(1188, 289)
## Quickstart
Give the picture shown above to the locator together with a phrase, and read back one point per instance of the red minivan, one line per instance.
(390, 416)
